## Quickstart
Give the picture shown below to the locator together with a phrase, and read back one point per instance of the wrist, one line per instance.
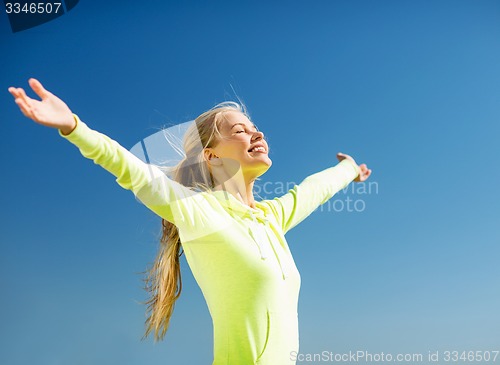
(354, 165)
(70, 127)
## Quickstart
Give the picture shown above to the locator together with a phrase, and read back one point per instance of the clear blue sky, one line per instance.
(412, 88)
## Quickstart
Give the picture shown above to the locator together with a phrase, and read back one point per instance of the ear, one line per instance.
(209, 156)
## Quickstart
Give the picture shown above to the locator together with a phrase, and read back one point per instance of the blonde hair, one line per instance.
(163, 281)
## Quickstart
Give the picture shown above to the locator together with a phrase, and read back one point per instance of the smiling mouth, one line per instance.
(257, 149)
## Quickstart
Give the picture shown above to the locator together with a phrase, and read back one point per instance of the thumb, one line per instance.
(38, 88)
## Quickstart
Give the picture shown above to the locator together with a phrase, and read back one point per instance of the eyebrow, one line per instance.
(244, 125)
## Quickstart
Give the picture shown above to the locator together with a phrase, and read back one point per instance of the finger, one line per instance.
(15, 92)
(38, 88)
(28, 103)
(23, 96)
(20, 100)
(25, 109)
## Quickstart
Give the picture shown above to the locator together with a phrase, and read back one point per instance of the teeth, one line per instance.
(262, 149)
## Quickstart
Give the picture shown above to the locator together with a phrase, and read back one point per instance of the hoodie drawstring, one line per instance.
(256, 231)
(261, 238)
(257, 239)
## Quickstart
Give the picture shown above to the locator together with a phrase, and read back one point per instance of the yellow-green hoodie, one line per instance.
(238, 255)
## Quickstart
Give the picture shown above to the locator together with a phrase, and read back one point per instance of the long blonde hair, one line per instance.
(163, 281)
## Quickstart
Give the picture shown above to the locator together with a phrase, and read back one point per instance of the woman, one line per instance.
(234, 245)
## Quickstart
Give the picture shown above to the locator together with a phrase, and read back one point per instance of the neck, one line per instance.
(240, 187)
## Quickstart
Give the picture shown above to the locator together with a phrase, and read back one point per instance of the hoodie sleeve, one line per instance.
(293, 207)
(149, 184)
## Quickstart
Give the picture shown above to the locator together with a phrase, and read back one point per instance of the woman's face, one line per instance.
(242, 143)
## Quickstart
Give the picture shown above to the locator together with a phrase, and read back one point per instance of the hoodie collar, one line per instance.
(229, 201)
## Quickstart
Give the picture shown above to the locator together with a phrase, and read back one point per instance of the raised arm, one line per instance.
(293, 207)
(148, 183)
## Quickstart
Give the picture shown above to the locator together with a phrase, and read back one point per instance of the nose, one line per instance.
(258, 135)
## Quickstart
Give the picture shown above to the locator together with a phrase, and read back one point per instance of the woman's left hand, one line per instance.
(364, 171)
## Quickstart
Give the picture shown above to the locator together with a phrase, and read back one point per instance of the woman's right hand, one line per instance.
(50, 111)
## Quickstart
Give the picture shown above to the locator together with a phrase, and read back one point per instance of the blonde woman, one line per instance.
(234, 245)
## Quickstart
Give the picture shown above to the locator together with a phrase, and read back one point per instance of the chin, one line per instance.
(258, 170)
(263, 169)
(266, 161)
